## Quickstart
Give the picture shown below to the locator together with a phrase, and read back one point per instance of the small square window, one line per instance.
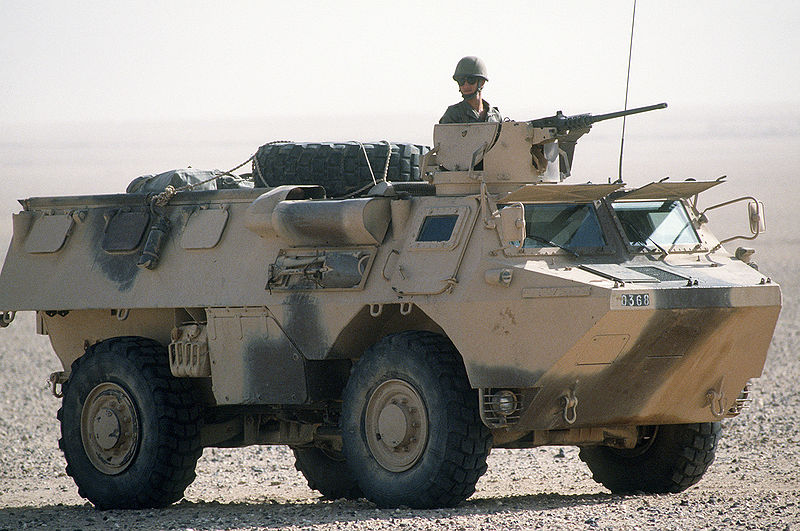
(437, 228)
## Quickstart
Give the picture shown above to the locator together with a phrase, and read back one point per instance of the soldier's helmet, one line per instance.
(470, 66)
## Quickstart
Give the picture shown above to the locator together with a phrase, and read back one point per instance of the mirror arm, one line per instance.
(726, 203)
(726, 240)
(703, 218)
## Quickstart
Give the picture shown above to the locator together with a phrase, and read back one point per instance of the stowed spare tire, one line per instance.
(341, 168)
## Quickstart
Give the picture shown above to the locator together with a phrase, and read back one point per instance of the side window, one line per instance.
(437, 228)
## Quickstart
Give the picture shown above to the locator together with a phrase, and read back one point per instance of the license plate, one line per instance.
(635, 299)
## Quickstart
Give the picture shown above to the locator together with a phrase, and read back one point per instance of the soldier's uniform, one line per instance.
(463, 113)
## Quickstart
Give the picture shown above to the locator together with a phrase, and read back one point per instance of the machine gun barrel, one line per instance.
(564, 123)
(610, 115)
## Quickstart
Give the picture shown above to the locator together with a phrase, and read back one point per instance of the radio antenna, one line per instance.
(627, 83)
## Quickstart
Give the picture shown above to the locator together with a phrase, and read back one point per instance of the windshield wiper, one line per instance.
(685, 226)
(641, 237)
(552, 244)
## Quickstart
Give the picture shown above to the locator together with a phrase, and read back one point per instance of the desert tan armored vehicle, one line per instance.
(389, 332)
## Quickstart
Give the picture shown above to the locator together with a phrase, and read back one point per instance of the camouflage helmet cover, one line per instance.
(470, 66)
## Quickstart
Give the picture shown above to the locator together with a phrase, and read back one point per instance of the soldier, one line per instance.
(470, 75)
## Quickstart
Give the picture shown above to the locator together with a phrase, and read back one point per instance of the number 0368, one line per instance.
(637, 299)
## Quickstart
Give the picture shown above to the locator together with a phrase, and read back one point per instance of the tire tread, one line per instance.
(468, 440)
(678, 459)
(329, 477)
(179, 420)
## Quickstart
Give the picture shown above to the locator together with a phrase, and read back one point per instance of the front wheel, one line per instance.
(669, 458)
(411, 430)
(130, 431)
(326, 471)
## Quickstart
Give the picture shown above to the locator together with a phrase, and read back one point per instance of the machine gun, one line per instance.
(539, 150)
(584, 121)
(569, 129)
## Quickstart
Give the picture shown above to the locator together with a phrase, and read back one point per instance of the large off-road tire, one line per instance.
(130, 431)
(327, 472)
(671, 458)
(411, 430)
(341, 168)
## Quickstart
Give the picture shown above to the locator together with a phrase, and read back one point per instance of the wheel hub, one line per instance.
(109, 428)
(106, 429)
(396, 424)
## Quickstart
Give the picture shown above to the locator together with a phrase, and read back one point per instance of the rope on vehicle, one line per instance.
(162, 199)
(374, 181)
(371, 173)
(256, 166)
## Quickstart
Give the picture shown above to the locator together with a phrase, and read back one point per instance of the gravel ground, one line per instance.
(754, 483)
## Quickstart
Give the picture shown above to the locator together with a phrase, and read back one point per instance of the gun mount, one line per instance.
(507, 154)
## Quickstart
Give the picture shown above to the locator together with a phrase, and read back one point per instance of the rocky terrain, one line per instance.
(754, 483)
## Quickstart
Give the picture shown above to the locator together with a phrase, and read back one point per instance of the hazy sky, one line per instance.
(95, 93)
(141, 60)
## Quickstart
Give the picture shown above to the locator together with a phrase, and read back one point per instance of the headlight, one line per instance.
(505, 402)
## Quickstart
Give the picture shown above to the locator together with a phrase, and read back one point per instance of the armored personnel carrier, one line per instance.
(393, 335)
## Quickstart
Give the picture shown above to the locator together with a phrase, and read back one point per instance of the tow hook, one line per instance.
(716, 401)
(6, 318)
(57, 379)
(570, 407)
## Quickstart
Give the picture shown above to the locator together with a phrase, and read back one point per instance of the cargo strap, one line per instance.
(160, 227)
(374, 181)
(162, 199)
(257, 168)
(385, 166)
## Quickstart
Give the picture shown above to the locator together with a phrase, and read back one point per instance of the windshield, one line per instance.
(569, 226)
(656, 223)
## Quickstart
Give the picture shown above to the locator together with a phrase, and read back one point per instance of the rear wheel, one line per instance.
(130, 431)
(669, 458)
(411, 429)
(327, 472)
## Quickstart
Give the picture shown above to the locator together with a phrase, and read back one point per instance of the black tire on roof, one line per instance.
(341, 168)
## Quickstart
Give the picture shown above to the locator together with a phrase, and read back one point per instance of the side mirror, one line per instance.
(755, 215)
(758, 221)
(512, 224)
